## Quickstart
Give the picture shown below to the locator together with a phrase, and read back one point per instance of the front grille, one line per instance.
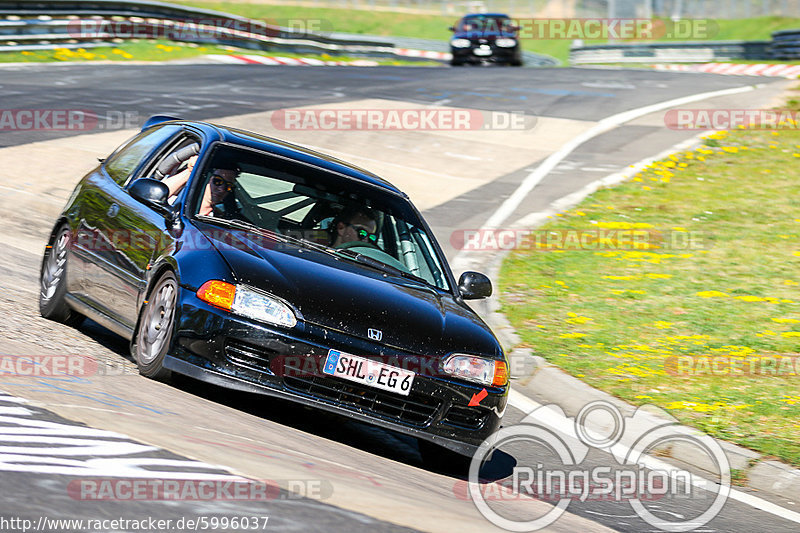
(249, 356)
(414, 409)
(465, 417)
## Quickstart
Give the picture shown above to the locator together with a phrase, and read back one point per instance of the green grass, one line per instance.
(372, 23)
(387, 24)
(619, 319)
(162, 50)
(435, 27)
(754, 29)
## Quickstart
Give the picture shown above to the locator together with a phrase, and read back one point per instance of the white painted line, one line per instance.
(566, 426)
(606, 124)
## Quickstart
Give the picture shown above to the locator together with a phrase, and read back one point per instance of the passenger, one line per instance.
(355, 224)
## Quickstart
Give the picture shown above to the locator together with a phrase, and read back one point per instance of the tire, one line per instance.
(53, 280)
(441, 459)
(154, 329)
(456, 63)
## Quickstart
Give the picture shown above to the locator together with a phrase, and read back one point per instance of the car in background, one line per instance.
(242, 279)
(485, 38)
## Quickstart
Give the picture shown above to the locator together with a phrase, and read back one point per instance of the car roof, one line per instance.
(471, 15)
(291, 151)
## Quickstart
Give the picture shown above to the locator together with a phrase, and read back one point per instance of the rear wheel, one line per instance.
(53, 281)
(154, 333)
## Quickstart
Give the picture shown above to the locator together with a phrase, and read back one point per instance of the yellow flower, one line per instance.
(579, 320)
(660, 324)
(624, 225)
(785, 320)
(712, 294)
(749, 298)
(572, 335)
(790, 334)
(790, 282)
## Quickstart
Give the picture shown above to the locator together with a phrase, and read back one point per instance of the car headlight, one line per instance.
(459, 43)
(506, 43)
(476, 369)
(247, 302)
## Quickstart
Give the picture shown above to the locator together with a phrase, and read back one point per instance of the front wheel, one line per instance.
(154, 333)
(53, 281)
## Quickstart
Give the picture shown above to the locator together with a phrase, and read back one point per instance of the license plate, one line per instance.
(482, 51)
(368, 372)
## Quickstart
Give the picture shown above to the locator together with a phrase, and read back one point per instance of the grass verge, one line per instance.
(162, 50)
(719, 286)
(436, 27)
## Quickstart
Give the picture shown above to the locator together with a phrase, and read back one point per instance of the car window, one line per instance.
(486, 24)
(122, 163)
(319, 207)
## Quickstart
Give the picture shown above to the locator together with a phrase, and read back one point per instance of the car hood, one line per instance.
(339, 294)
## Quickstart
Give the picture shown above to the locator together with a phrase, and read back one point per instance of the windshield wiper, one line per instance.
(380, 265)
(245, 225)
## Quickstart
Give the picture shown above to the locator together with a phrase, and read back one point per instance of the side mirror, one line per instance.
(452, 28)
(152, 193)
(474, 286)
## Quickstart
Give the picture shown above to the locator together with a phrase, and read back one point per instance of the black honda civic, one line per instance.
(485, 38)
(250, 263)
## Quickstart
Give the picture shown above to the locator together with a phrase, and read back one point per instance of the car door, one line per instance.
(123, 232)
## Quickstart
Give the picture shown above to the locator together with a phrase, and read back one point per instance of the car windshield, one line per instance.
(486, 24)
(317, 208)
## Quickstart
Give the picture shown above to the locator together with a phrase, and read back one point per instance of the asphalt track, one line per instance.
(335, 475)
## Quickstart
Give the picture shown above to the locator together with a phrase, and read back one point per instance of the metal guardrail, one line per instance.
(221, 28)
(785, 44)
(665, 52)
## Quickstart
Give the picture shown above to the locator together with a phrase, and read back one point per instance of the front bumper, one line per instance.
(473, 54)
(214, 346)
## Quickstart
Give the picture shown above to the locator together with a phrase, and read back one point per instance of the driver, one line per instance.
(218, 198)
(355, 224)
